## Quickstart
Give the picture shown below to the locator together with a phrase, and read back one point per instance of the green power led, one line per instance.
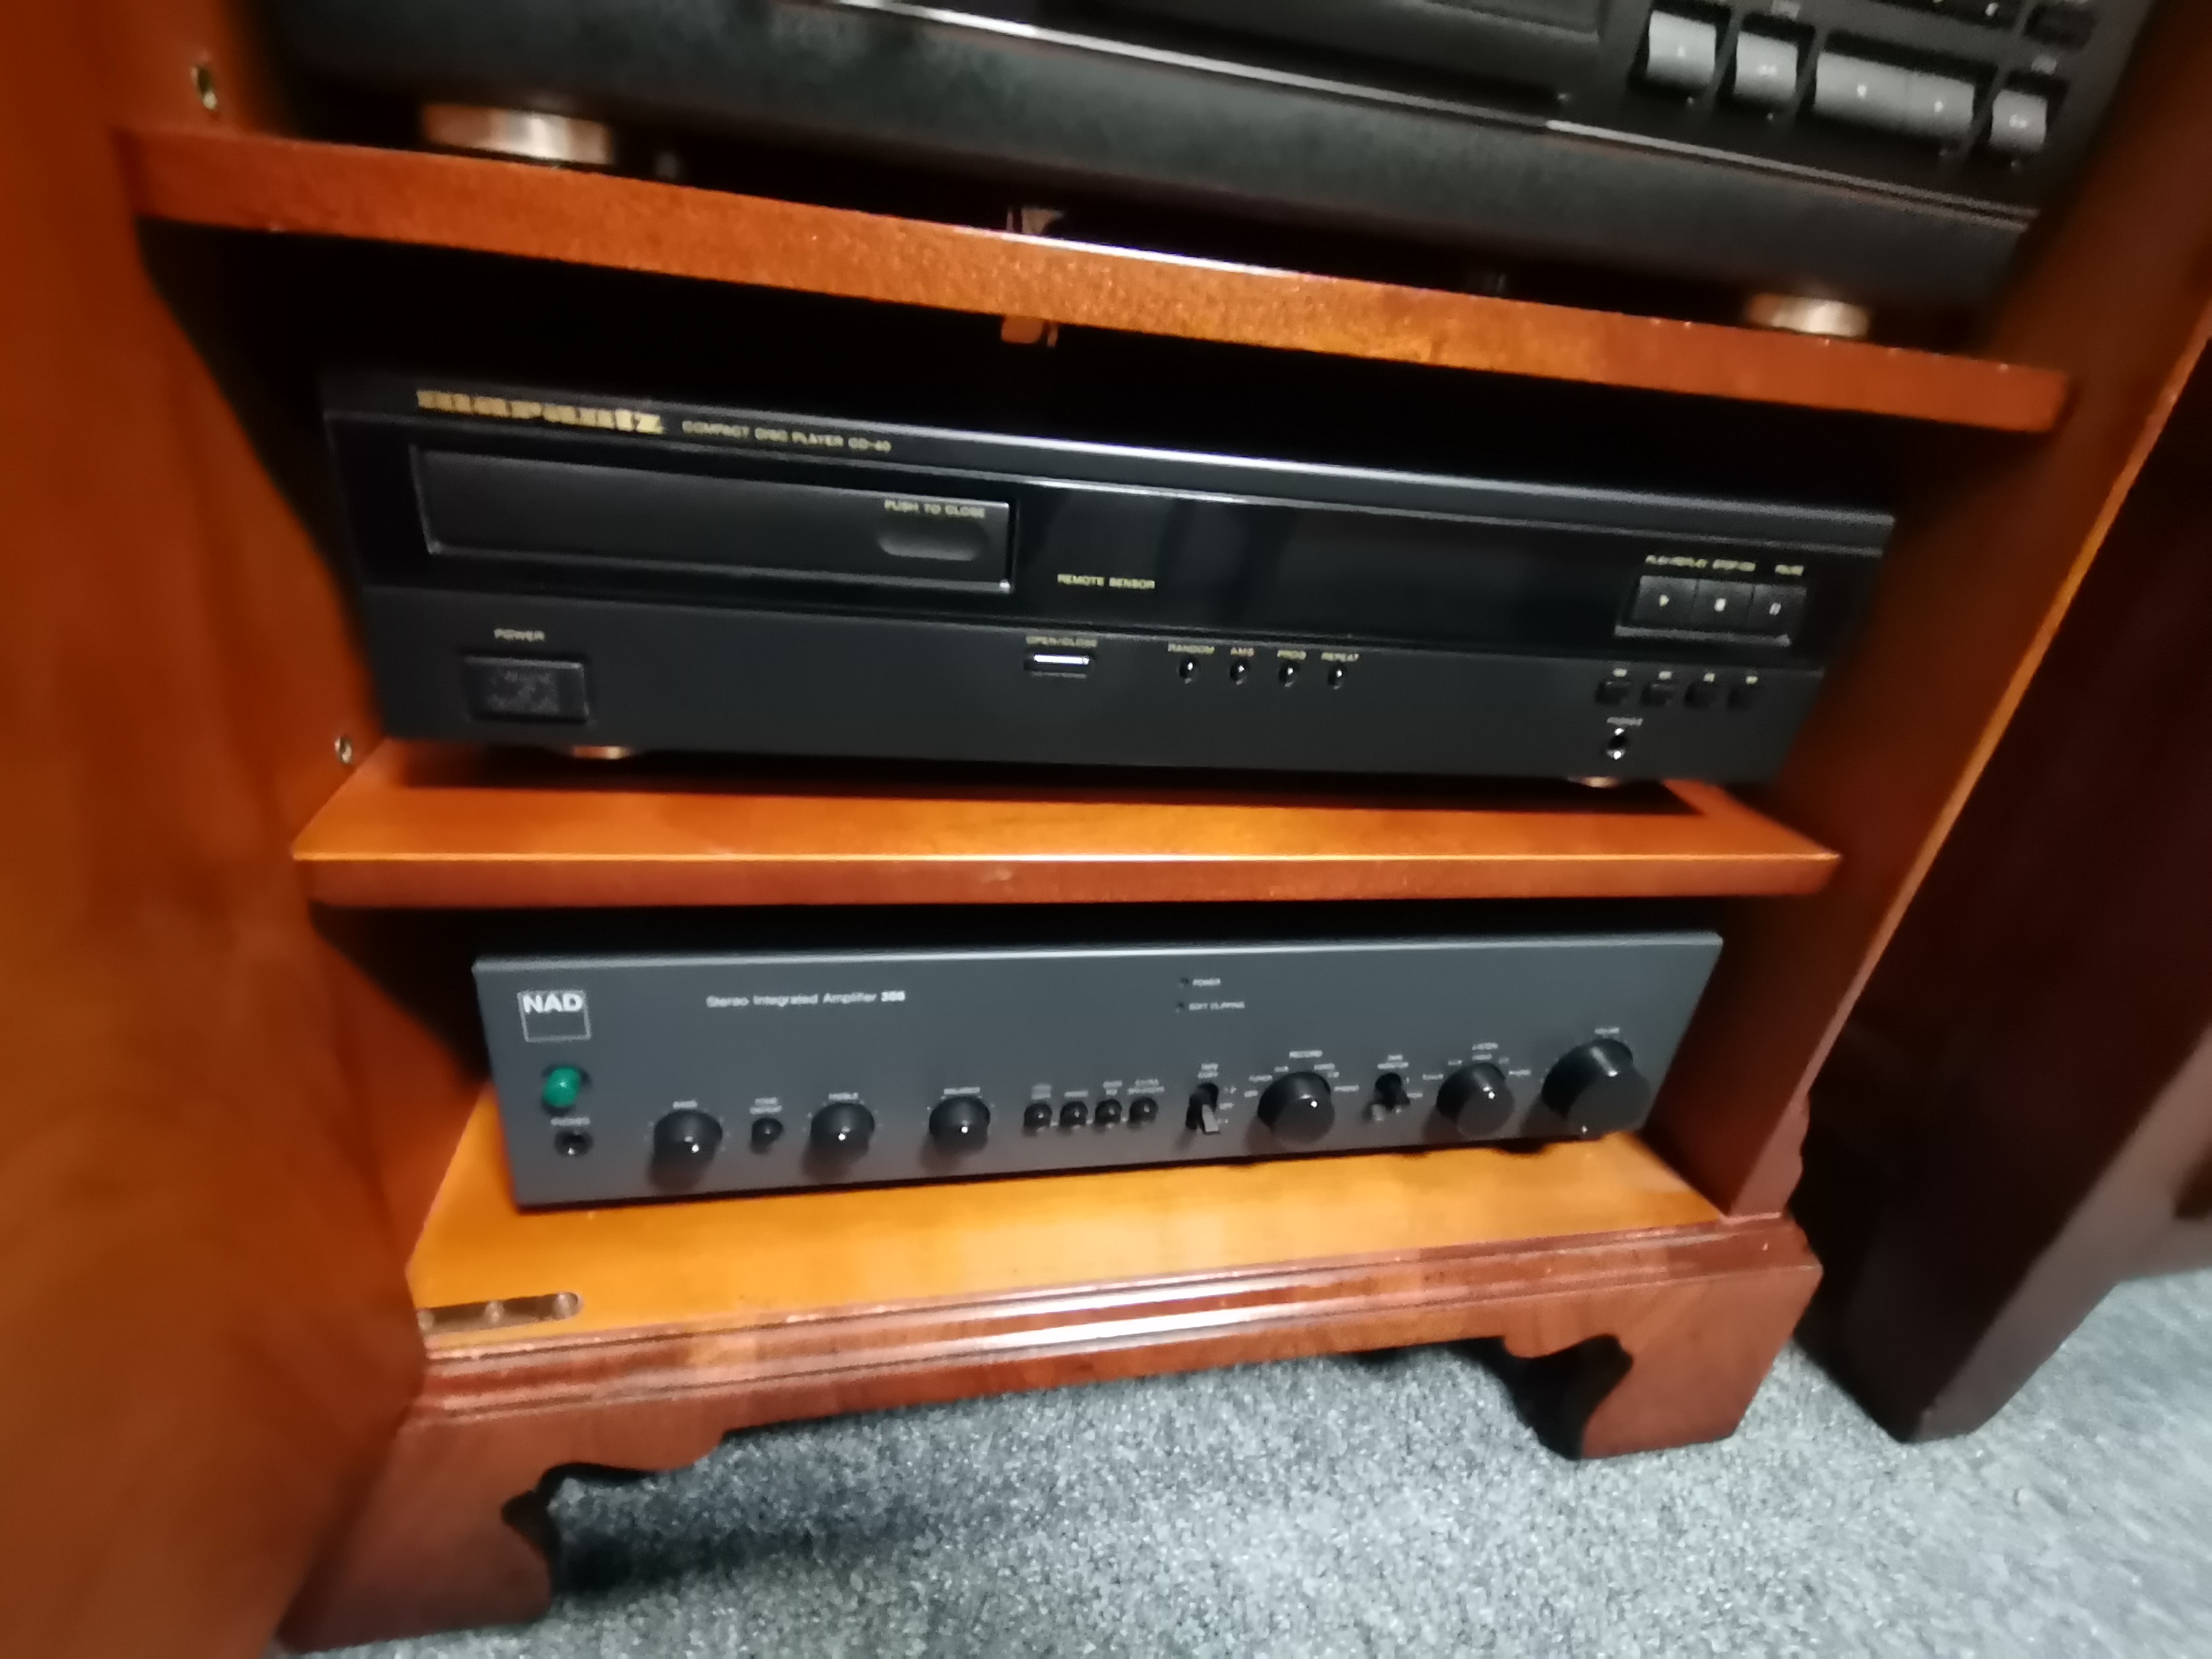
(563, 1084)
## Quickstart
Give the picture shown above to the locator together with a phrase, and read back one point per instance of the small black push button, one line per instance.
(1723, 607)
(1745, 696)
(1702, 694)
(1664, 602)
(1037, 1115)
(1777, 608)
(767, 1131)
(525, 688)
(1238, 670)
(1659, 694)
(1613, 693)
(1074, 1115)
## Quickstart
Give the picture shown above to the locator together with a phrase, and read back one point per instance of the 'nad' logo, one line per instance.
(553, 1015)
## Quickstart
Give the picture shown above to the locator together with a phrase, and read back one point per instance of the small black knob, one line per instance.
(1595, 1089)
(961, 1123)
(1299, 1108)
(1390, 1092)
(841, 1129)
(767, 1131)
(1109, 1111)
(1074, 1115)
(1038, 1115)
(1143, 1110)
(1477, 1099)
(684, 1144)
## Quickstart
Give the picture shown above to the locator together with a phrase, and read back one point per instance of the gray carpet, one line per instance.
(1396, 1506)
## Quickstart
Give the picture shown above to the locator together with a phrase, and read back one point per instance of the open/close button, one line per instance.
(1060, 663)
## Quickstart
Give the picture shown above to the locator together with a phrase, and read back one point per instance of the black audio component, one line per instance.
(1890, 150)
(567, 572)
(630, 1075)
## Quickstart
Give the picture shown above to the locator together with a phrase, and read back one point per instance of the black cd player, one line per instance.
(597, 572)
(1888, 150)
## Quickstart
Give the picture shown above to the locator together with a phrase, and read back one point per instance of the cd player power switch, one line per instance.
(1679, 52)
(1205, 1114)
(1298, 1108)
(561, 1085)
(526, 688)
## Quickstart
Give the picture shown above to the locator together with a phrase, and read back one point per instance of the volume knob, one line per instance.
(960, 1123)
(841, 1129)
(1595, 1089)
(1298, 1108)
(1477, 1099)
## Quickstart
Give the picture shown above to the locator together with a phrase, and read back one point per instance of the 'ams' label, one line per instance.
(553, 1015)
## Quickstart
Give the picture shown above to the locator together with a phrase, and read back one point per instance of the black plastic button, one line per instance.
(2063, 24)
(1186, 670)
(1238, 670)
(1336, 677)
(1745, 696)
(572, 1143)
(1664, 602)
(1109, 1111)
(1616, 743)
(1143, 1110)
(1287, 674)
(1037, 1117)
(1613, 693)
(1702, 694)
(1723, 607)
(525, 688)
(1074, 1115)
(767, 1131)
(1777, 608)
(1659, 694)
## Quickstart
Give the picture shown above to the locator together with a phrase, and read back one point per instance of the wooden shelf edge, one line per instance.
(423, 826)
(258, 182)
(1161, 1246)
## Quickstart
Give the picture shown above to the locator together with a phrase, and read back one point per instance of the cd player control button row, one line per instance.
(1912, 102)
(2019, 122)
(1723, 607)
(1679, 52)
(1663, 602)
(1060, 665)
(525, 688)
(1777, 608)
(1764, 75)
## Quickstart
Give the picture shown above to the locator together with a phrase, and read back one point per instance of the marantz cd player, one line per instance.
(1891, 150)
(632, 1075)
(569, 572)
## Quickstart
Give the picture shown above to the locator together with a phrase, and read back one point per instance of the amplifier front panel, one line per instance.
(613, 1071)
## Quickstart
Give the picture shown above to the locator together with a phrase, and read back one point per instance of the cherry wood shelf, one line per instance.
(744, 1262)
(431, 826)
(694, 1320)
(251, 181)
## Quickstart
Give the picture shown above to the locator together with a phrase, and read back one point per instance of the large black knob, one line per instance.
(684, 1144)
(841, 1129)
(1596, 1089)
(960, 1124)
(1477, 1099)
(1299, 1107)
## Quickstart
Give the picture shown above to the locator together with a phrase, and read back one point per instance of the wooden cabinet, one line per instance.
(276, 1337)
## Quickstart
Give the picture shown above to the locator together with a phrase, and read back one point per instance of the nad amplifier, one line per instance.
(1888, 150)
(631, 1075)
(540, 569)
